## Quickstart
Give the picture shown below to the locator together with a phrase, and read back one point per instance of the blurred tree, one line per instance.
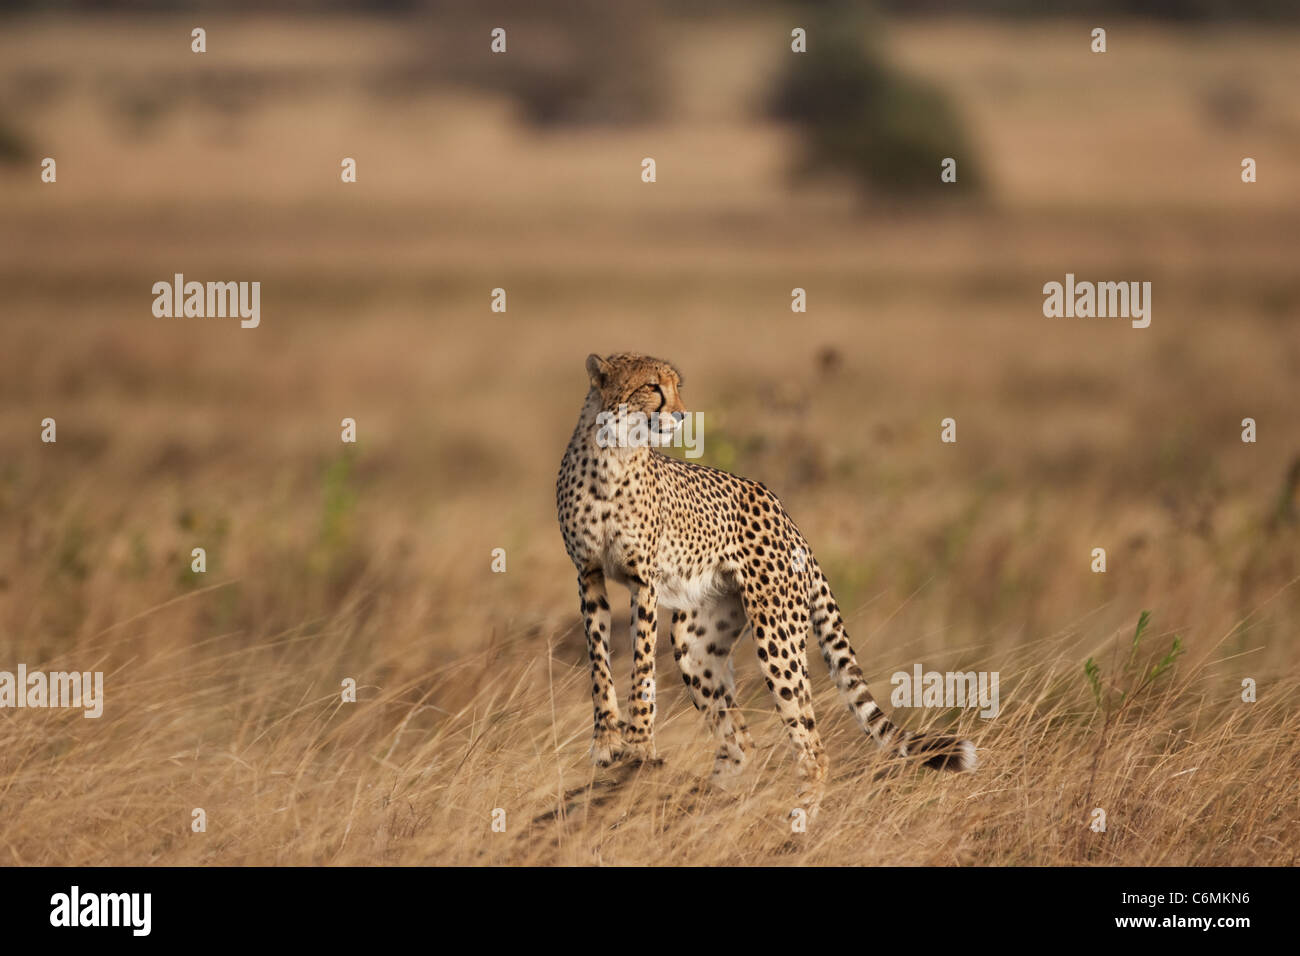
(859, 116)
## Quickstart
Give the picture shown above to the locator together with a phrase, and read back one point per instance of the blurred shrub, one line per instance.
(861, 117)
(13, 148)
(575, 62)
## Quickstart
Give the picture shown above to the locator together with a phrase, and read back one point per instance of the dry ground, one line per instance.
(223, 688)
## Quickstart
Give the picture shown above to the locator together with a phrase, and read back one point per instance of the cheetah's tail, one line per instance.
(940, 752)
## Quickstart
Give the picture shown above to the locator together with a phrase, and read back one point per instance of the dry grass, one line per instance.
(412, 773)
(222, 689)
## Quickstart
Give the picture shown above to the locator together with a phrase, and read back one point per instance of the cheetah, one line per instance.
(720, 552)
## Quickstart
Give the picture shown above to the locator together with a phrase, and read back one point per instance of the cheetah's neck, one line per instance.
(611, 465)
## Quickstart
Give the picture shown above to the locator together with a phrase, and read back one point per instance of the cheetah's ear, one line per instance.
(598, 369)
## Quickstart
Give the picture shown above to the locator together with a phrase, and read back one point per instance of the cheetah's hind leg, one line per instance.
(702, 640)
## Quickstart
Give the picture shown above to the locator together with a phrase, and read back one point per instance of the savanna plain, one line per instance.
(373, 562)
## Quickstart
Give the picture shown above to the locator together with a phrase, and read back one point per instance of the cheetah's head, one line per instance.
(644, 384)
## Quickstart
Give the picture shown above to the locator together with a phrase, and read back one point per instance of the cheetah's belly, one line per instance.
(682, 592)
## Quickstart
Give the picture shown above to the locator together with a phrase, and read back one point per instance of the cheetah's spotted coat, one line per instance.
(721, 552)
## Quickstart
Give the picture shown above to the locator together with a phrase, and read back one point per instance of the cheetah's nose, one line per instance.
(678, 417)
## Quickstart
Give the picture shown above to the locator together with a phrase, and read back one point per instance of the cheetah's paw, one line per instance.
(642, 752)
(607, 747)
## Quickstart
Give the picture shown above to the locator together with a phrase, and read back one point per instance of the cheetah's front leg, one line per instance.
(607, 739)
(640, 727)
